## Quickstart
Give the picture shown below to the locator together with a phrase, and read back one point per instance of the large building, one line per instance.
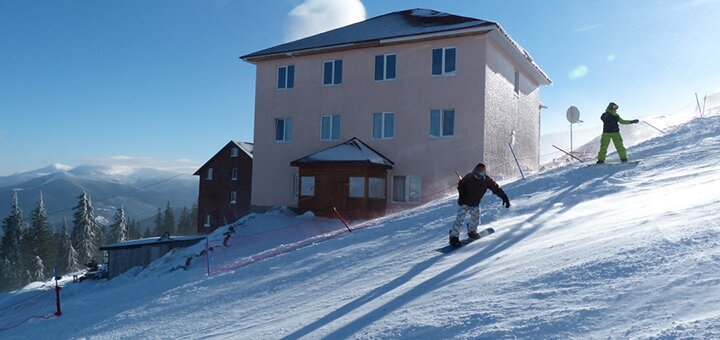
(428, 93)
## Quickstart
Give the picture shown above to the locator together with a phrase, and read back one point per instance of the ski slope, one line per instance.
(584, 252)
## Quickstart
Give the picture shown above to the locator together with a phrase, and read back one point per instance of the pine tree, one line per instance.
(118, 229)
(11, 247)
(40, 238)
(133, 230)
(35, 269)
(194, 217)
(185, 224)
(158, 230)
(85, 230)
(147, 233)
(169, 220)
(66, 255)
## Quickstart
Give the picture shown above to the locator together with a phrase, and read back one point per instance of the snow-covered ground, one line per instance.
(585, 252)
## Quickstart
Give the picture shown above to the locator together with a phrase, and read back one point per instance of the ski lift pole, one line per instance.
(650, 125)
(516, 161)
(342, 219)
(57, 294)
(569, 154)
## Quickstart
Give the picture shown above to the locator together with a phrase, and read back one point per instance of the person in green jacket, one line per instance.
(611, 132)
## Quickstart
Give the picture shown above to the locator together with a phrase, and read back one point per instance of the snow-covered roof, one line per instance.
(245, 147)
(353, 151)
(391, 27)
(151, 240)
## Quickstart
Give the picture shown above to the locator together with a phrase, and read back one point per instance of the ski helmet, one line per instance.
(612, 106)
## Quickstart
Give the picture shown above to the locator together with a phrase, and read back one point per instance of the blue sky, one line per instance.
(160, 81)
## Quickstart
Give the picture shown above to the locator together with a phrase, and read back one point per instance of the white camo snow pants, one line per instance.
(463, 210)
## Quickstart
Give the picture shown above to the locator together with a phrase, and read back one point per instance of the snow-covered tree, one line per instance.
(85, 233)
(119, 228)
(40, 237)
(169, 220)
(67, 257)
(11, 246)
(35, 269)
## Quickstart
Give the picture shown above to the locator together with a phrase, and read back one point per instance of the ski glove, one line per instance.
(506, 203)
(635, 121)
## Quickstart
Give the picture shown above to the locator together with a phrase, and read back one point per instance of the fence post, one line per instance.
(569, 154)
(57, 294)
(342, 219)
(207, 254)
(516, 161)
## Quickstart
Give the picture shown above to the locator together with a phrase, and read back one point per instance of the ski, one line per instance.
(448, 248)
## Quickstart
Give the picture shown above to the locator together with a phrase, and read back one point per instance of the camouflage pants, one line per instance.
(463, 210)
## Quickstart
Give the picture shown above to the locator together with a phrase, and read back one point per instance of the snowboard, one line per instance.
(448, 248)
(630, 163)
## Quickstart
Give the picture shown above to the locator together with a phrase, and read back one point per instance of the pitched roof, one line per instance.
(391, 25)
(352, 152)
(183, 240)
(389, 28)
(245, 147)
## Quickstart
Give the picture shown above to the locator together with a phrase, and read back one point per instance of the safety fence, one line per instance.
(44, 304)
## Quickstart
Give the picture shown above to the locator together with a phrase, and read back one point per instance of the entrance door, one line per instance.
(330, 191)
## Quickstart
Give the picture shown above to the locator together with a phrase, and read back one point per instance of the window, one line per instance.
(234, 152)
(357, 187)
(234, 174)
(233, 197)
(376, 188)
(283, 129)
(330, 127)
(442, 123)
(406, 188)
(385, 67)
(307, 186)
(209, 174)
(332, 72)
(383, 125)
(517, 82)
(207, 221)
(286, 77)
(443, 61)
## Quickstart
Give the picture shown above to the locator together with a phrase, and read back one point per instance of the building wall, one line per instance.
(214, 195)
(410, 97)
(507, 111)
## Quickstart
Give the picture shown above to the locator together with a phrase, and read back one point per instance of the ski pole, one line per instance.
(663, 132)
(569, 154)
(458, 174)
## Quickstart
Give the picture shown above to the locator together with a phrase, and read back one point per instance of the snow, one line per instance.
(585, 252)
(353, 150)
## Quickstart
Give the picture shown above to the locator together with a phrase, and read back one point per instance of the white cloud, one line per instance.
(316, 16)
(127, 164)
(578, 72)
(611, 57)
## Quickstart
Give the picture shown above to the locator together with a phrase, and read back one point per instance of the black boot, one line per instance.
(455, 242)
(624, 160)
(473, 235)
(600, 162)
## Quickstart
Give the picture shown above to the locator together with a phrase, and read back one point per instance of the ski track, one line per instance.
(601, 252)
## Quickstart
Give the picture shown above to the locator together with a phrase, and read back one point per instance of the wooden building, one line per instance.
(225, 184)
(350, 177)
(139, 253)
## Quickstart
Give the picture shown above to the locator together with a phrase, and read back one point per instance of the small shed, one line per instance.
(351, 177)
(125, 255)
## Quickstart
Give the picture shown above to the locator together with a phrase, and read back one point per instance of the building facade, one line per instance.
(435, 93)
(225, 186)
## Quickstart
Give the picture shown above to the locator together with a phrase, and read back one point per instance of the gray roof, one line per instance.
(152, 241)
(353, 151)
(392, 25)
(246, 147)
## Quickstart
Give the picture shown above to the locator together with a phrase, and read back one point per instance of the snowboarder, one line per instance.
(611, 132)
(471, 190)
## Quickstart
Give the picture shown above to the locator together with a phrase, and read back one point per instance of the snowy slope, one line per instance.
(599, 252)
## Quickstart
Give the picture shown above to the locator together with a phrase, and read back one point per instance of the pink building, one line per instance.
(427, 92)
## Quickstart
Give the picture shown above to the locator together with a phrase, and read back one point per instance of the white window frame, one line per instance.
(406, 195)
(443, 72)
(207, 221)
(287, 76)
(234, 175)
(287, 131)
(385, 68)
(234, 152)
(307, 189)
(442, 122)
(370, 186)
(382, 126)
(334, 71)
(332, 119)
(233, 197)
(209, 175)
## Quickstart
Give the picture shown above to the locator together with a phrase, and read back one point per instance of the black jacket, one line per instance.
(472, 189)
(611, 120)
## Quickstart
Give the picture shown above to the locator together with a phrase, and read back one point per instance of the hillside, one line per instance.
(592, 252)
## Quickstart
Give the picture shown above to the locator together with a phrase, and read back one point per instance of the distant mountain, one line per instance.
(139, 190)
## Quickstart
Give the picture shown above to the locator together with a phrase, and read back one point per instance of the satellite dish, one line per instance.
(573, 115)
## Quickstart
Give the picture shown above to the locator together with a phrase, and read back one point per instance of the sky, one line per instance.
(161, 82)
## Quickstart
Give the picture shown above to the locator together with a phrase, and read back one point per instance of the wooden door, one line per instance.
(330, 191)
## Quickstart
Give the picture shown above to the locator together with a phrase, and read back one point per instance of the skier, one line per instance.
(611, 131)
(471, 190)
